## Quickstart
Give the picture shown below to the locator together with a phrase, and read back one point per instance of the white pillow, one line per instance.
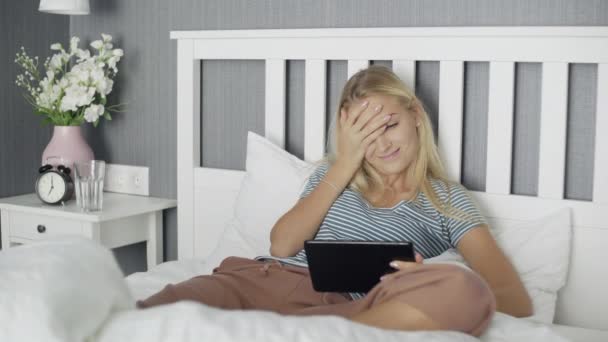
(58, 290)
(540, 252)
(272, 184)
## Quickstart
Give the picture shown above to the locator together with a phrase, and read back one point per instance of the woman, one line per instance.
(382, 181)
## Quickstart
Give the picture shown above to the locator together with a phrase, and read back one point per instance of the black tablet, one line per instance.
(352, 266)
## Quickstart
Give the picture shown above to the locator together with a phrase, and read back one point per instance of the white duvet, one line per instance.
(71, 290)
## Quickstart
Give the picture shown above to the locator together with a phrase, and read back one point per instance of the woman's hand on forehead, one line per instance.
(359, 126)
(366, 102)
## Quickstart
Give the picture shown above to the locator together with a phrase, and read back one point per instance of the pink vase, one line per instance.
(67, 146)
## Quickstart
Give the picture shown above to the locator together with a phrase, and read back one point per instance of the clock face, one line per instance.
(51, 187)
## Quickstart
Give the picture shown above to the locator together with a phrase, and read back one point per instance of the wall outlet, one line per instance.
(127, 179)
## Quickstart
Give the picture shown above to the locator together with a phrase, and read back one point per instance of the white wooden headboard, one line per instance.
(584, 301)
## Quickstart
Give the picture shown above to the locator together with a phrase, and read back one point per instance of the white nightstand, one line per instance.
(124, 220)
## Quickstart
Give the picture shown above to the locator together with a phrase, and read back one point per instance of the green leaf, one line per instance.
(107, 116)
(96, 123)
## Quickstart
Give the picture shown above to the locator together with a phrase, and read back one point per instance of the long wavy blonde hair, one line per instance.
(378, 80)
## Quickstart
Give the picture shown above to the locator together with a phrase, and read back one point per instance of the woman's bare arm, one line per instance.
(302, 221)
(357, 130)
(481, 252)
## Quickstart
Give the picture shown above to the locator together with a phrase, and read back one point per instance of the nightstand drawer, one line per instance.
(34, 227)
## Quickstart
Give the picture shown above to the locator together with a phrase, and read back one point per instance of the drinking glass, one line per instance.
(88, 184)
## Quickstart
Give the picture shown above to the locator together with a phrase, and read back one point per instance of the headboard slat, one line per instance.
(188, 142)
(355, 65)
(553, 120)
(500, 127)
(523, 44)
(451, 81)
(406, 70)
(600, 170)
(275, 101)
(314, 109)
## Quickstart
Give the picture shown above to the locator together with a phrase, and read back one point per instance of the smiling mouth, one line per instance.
(391, 155)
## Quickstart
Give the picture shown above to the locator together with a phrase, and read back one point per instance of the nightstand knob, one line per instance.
(41, 228)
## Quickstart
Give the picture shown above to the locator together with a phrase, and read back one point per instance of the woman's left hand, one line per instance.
(400, 265)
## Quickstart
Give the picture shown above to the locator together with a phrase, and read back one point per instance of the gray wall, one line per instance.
(22, 137)
(146, 133)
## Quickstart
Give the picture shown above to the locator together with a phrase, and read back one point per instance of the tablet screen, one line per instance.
(352, 266)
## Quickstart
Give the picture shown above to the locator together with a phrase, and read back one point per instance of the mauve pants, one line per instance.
(454, 297)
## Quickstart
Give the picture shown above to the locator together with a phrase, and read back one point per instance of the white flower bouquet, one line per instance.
(75, 84)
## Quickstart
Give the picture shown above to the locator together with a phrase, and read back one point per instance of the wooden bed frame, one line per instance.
(584, 300)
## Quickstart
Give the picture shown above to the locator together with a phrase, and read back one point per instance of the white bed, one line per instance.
(45, 289)
(583, 301)
(145, 284)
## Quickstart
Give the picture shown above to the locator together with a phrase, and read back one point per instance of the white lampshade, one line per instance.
(71, 7)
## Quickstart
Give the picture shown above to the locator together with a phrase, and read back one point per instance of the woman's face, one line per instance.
(394, 150)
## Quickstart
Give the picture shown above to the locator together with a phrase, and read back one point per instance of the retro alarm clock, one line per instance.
(54, 186)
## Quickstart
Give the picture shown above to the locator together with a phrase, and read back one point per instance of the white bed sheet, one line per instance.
(503, 328)
(580, 334)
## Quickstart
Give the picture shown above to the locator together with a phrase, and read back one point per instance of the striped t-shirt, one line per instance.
(351, 217)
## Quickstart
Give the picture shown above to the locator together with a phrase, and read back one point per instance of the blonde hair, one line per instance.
(379, 80)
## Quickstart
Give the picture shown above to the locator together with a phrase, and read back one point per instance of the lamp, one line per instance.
(71, 7)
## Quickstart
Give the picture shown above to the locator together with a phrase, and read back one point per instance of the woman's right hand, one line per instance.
(358, 128)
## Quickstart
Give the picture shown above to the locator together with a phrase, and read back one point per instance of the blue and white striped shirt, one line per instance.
(351, 217)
